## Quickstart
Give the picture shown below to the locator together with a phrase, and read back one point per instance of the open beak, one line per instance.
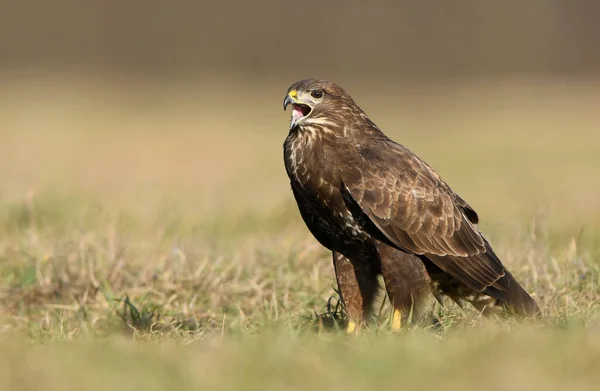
(288, 100)
(300, 110)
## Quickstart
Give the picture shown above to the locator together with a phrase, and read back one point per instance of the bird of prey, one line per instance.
(381, 210)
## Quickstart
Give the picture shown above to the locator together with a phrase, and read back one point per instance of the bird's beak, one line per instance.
(290, 98)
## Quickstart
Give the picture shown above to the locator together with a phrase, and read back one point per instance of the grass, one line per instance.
(149, 240)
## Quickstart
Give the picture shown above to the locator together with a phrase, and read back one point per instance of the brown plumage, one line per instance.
(382, 210)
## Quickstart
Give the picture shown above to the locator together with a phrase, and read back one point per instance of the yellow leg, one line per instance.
(352, 327)
(397, 320)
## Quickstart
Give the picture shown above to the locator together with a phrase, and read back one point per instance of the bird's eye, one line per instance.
(317, 94)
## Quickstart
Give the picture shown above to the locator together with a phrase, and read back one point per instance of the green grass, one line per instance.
(496, 359)
(160, 247)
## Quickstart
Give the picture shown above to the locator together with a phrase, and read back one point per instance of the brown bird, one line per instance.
(380, 209)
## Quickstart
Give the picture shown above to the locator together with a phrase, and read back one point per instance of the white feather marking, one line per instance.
(320, 121)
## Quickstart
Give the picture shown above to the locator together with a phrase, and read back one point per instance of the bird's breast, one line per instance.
(316, 183)
(305, 158)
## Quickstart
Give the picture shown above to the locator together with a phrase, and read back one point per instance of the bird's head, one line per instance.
(315, 101)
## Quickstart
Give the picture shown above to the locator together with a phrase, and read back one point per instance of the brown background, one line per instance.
(313, 37)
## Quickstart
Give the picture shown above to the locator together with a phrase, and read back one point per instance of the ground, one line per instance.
(149, 238)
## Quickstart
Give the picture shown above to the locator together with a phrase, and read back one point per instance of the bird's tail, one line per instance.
(513, 297)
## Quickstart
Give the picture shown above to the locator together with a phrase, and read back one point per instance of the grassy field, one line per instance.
(149, 239)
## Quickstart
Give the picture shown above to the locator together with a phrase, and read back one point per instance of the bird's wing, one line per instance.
(406, 201)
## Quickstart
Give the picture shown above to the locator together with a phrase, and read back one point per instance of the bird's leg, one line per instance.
(352, 327)
(397, 319)
(406, 283)
(357, 282)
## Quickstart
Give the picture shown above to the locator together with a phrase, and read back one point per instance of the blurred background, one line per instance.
(397, 40)
(141, 155)
(133, 101)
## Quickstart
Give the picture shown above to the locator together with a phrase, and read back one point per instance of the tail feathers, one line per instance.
(513, 297)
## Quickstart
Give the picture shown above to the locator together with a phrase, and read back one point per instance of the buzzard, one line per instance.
(381, 210)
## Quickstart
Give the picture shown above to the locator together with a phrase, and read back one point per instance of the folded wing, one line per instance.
(408, 203)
